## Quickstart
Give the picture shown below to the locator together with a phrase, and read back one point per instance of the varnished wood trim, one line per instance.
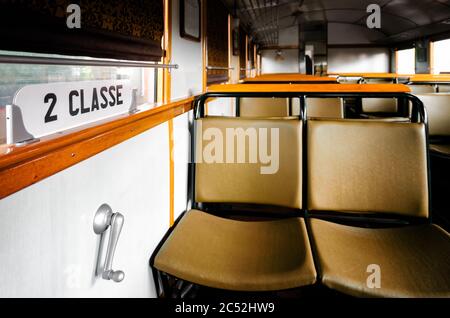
(204, 50)
(258, 73)
(24, 166)
(204, 47)
(247, 72)
(167, 48)
(230, 48)
(431, 53)
(290, 78)
(167, 98)
(310, 88)
(255, 63)
(396, 61)
(430, 78)
(372, 75)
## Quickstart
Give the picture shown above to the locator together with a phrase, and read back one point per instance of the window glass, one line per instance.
(15, 76)
(406, 61)
(441, 57)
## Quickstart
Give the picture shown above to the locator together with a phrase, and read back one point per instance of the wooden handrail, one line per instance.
(309, 88)
(372, 75)
(23, 166)
(297, 78)
(430, 78)
(286, 75)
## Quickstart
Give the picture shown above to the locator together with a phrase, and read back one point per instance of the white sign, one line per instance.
(50, 108)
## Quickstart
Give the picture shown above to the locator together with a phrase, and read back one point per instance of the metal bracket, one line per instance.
(133, 108)
(16, 133)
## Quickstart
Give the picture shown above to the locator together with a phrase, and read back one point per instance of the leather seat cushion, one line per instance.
(238, 255)
(329, 107)
(422, 89)
(414, 260)
(379, 105)
(245, 182)
(264, 107)
(367, 166)
(438, 110)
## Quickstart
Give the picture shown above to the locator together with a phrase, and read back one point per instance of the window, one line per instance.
(406, 61)
(440, 55)
(16, 76)
(141, 82)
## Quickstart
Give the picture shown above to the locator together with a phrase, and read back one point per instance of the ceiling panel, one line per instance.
(262, 18)
(349, 4)
(392, 24)
(347, 16)
(421, 12)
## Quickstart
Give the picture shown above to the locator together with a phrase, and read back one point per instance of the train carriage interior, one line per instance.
(225, 149)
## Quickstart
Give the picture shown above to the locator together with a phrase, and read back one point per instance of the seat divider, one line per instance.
(304, 119)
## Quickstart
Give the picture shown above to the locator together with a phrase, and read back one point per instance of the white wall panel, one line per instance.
(366, 59)
(181, 161)
(187, 79)
(288, 63)
(48, 247)
(221, 107)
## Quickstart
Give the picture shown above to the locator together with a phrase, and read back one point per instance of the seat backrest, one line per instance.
(327, 107)
(378, 80)
(349, 80)
(444, 88)
(263, 107)
(332, 107)
(438, 109)
(422, 89)
(379, 105)
(367, 167)
(254, 179)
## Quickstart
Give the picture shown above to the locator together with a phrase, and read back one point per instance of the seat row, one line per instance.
(437, 106)
(378, 169)
(348, 208)
(331, 107)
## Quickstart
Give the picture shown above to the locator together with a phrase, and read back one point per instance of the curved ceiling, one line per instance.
(401, 20)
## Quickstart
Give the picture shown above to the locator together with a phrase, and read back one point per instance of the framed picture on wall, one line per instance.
(190, 19)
